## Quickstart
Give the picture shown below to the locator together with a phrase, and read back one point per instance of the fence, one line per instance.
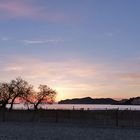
(103, 118)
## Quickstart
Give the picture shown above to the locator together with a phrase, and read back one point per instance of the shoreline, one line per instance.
(77, 107)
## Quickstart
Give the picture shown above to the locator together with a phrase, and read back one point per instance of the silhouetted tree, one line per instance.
(20, 89)
(45, 94)
(5, 94)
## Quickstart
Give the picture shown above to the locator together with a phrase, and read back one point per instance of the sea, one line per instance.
(77, 107)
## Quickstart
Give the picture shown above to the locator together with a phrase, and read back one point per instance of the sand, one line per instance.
(53, 131)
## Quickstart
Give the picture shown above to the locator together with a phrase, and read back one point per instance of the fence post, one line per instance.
(117, 117)
(3, 115)
(56, 116)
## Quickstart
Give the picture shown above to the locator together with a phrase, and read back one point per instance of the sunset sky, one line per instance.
(78, 47)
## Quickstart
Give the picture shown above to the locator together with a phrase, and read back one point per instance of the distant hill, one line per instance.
(133, 101)
(89, 100)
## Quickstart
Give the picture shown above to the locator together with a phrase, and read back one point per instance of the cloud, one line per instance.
(67, 68)
(109, 34)
(113, 33)
(4, 38)
(35, 68)
(67, 77)
(72, 77)
(33, 41)
(131, 63)
(26, 9)
(47, 41)
(134, 84)
(17, 8)
(64, 75)
(130, 76)
(69, 71)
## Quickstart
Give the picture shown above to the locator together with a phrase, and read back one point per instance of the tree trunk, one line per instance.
(36, 106)
(4, 105)
(12, 103)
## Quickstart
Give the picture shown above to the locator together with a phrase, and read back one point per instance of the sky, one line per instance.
(78, 47)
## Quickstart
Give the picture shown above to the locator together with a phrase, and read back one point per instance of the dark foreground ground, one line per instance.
(61, 131)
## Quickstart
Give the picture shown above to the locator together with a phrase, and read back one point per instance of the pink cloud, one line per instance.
(22, 8)
(129, 76)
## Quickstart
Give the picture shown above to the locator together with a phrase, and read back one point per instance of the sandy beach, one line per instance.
(59, 131)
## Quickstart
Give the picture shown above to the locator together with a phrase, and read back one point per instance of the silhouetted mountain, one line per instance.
(89, 100)
(133, 101)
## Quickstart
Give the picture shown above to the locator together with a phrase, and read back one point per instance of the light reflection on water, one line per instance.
(79, 106)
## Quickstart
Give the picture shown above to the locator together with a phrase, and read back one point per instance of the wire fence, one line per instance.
(103, 118)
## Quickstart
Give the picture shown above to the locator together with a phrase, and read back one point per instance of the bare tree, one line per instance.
(45, 94)
(5, 94)
(29, 99)
(20, 89)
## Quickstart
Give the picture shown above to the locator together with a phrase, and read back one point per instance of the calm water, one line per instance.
(79, 107)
